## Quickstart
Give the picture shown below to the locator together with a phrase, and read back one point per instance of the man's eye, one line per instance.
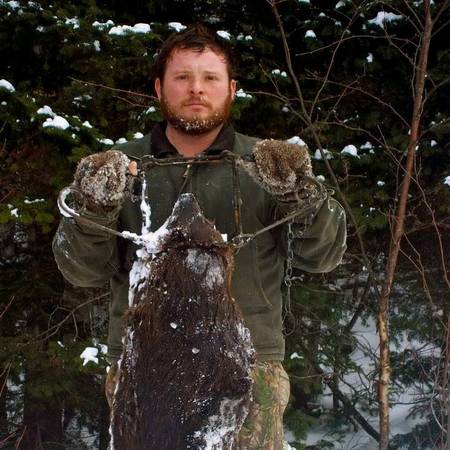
(211, 77)
(181, 77)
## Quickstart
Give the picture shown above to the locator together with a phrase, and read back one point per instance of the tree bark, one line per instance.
(383, 306)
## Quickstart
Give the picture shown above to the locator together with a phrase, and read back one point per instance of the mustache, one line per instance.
(196, 100)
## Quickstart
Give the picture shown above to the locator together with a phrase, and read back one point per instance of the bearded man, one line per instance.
(195, 86)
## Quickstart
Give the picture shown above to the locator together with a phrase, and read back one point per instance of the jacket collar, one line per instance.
(161, 147)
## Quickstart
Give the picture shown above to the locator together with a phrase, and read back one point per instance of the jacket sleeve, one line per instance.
(319, 241)
(86, 256)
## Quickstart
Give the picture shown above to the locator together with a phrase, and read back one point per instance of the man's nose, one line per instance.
(196, 86)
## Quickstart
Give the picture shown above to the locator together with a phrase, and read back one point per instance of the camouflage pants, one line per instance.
(263, 427)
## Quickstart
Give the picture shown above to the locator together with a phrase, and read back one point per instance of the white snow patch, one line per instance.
(433, 143)
(220, 426)
(177, 26)
(96, 45)
(339, 4)
(383, 17)
(320, 178)
(89, 355)
(56, 122)
(13, 4)
(366, 146)
(86, 124)
(36, 200)
(122, 30)
(447, 180)
(13, 211)
(369, 58)
(106, 141)
(138, 135)
(279, 72)
(380, 183)
(204, 264)
(224, 34)
(310, 34)
(149, 110)
(102, 25)
(350, 150)
(242, 94)
(121, 140)
(327, 153)
(46, 110)
(74, 22)
(296, 140)
(5, 84)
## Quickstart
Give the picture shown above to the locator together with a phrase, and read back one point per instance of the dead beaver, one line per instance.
(185, 370)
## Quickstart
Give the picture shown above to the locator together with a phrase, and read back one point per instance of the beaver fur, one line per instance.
(185, 370)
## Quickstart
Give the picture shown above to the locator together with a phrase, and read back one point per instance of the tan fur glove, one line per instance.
(102, 180)
(283, 170)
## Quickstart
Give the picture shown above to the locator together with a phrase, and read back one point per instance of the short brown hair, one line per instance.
(198, 38)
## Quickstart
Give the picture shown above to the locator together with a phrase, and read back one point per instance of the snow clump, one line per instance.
(327, 153)
(102, 25)
(121, 30)
(279, 72)
(74, 23)
(383, 16)
(106, 141)
(310, 34)
(56, 122)
(138, 135)
(296, 140)
(89, 355)
(46, 111)
(5, 84)
(177, 26)
(366, 146)
(350, 150)
(224, 34)
(447, 180)
(241, 94)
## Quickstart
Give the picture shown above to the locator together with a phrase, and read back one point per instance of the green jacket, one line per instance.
(88, 257)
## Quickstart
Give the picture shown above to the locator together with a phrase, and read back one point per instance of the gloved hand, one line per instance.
(102, 181)
(112, 378)
(282, 169)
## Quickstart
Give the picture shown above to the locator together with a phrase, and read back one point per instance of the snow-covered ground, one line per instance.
(403, 397)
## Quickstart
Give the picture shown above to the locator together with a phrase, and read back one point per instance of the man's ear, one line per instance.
(158, 87)
(233, 85)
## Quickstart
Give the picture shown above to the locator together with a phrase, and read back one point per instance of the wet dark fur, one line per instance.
(166, 392)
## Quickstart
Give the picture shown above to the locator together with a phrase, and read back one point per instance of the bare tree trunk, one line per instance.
(383, 309)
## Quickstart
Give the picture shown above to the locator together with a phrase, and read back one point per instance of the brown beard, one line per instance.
(194, 125)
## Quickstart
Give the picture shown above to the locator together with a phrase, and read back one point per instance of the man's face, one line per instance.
(196, 93)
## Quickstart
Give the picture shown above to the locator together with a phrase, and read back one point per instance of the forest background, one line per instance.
(365, 84)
